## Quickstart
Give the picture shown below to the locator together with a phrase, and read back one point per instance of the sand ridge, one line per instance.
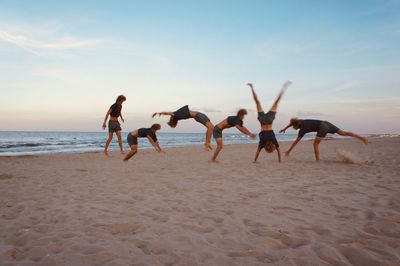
(177, 209)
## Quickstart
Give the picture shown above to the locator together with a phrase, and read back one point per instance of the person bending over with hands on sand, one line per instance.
(113, 124)
(149, 133)
(184, 113)
(321, 127)
(230, 121)
(267, 136)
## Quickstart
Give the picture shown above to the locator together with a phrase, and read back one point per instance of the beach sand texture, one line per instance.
(178, 209)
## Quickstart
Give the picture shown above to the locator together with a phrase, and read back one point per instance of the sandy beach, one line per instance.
(178, 209)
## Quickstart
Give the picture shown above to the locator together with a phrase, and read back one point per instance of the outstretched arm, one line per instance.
(163, 113)
(258, 104)
(257, 153)
(106, 118)
(284, 87)
(154, 144)
(284, 129)
(245, 131)
(287, 153)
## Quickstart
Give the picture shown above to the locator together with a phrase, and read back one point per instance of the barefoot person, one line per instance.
(184, 113)
(321, 127)
(230, 121)
(113, 124)
(267, 136)
(149, 133)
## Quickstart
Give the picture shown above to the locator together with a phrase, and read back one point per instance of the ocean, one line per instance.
(16, 143)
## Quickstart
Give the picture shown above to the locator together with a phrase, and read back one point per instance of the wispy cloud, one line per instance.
(209, 110)
(368, 100)
(345, 86)
(304, 114)
(35, 46)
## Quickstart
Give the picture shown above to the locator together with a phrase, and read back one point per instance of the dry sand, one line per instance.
(178, 209)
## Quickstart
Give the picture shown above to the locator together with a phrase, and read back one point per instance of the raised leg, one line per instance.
(351, 134)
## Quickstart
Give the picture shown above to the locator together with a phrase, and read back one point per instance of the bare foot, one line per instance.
(213, 161)
(123, 152)
(106, 153)
(365, 140)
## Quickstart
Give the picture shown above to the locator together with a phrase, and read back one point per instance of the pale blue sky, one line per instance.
(62, 63)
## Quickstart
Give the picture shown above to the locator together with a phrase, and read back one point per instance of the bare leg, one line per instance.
(258, 104)
(317, 141)
(351, 134)
(217, 150)
(257, 153)
(121, 146)
(110, 137)
(132, 152)
(209, 131)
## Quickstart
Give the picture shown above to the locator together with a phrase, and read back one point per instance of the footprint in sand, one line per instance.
(198, 229)
(119, 228)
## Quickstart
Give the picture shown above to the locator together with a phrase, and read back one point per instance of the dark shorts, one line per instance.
(325, 127)
(217, 132)
(266, 118)
(113, 126)
(201, 118)
(131, 140)
(266, 136)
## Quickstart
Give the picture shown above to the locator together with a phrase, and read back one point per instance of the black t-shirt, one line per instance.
(182, 113)
(234, 121)
(144, 132)
(308, 125)
(116, 110)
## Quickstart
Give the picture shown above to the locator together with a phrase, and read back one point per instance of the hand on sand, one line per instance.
(208, 147)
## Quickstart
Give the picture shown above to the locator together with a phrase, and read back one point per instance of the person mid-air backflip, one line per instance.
(184, 113)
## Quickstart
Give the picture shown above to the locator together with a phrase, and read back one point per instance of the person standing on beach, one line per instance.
(321, 127)
(230, 121)
(149, 133)
(184, 113)
(267, 136)
(113, 124)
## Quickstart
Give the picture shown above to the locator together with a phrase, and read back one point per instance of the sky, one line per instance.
(63, 63)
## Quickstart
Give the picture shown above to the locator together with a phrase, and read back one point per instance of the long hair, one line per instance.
(172, 122)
